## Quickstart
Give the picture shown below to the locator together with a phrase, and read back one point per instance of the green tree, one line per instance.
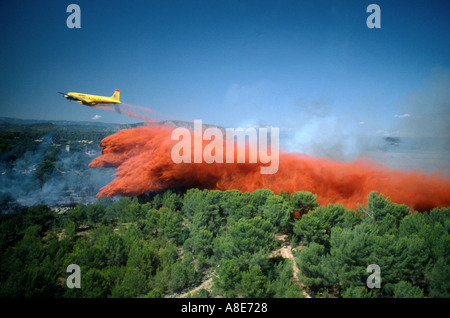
(113, 246)
(259, 196)
(154, 293)
(183, 273)
(412, 258)
(115, 276)
(192, 202)
(277, 211)
(282, 285)
(304, 200)
(124, 210)
(351, 253)
(95, 213)
(439, 279)
(252, 284)
(378, 207)
(86, 255)
(170, 225)
(202, 293)
(201, 241)
(231, 201)
(316, 226)
(383, 252)
(144, 256)
(227, 278)
(405, 289)
(77, 215)
(310, 266)
(134, 284)
(171, 200)
(39, 215)
(237, 205)
(151, 220)
(70, 230)
(130, 210)
(41, 279)
(249, 236)
(46, 167)
(357, 292)
(95, 284)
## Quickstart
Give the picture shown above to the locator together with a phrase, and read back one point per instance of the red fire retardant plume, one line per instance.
(142, 157)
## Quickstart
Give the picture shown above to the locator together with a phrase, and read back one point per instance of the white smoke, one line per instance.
(417, 137)
(70, 182)
(321, 133)
(426, 111)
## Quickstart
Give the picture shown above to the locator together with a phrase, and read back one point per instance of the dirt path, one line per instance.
(286, 252)
(207, 284)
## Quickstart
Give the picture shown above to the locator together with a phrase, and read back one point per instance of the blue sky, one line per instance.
(312, 68)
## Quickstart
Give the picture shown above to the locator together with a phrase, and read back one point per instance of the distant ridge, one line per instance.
(18, 121)
(16, 124)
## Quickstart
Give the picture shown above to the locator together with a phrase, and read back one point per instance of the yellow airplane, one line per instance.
(92, 100)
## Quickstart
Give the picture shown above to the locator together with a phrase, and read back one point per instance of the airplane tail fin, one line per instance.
(116, 95)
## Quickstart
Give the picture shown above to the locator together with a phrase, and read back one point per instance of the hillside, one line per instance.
(225, 244)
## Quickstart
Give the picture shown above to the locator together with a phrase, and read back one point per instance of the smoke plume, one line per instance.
(142, 158)
(22, 184)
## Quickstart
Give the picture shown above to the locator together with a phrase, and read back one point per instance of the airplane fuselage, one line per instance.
(92, 100)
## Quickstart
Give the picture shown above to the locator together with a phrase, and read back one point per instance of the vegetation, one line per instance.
(410, 248)
(171, 242)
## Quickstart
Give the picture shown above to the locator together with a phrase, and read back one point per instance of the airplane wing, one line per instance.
(66, 95)
(75, 98)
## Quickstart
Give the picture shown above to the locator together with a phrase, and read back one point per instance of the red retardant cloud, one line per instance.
(142, 157)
